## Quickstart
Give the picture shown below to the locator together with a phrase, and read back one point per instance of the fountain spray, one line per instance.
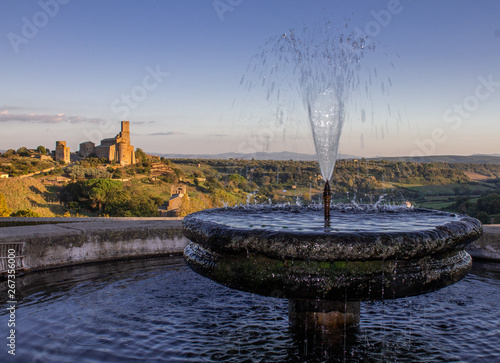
(327, 196)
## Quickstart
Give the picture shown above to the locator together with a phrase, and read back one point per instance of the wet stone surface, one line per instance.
(356, 233)
(407, 252)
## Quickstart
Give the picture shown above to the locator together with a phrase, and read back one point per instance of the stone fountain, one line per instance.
(326, 263)
(370, 253)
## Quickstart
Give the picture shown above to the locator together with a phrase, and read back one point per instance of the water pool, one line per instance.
(158, 310)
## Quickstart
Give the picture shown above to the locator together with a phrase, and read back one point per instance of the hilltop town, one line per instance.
(49, 172)
(116, 149)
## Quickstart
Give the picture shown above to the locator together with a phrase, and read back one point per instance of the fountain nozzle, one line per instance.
(327, 195)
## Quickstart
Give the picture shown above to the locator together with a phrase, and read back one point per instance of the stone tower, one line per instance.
(125, 132)
(125, 154)
(62, 152)
(118, 148)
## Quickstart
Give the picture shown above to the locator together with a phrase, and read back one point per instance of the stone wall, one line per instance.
(92, 240)
(487, 247)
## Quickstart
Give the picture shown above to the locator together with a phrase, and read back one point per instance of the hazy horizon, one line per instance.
(175, 70)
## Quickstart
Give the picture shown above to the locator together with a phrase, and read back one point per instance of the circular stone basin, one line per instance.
(366, 253)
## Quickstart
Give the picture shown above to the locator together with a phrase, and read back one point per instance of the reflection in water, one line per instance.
(159, 310)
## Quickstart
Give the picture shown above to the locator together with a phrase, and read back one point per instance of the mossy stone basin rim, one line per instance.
(369, 253)
(357, 233)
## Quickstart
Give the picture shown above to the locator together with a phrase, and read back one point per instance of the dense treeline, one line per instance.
(110, 197)
(483, 208)
(362, 175)
(491, 170)
(363, 180)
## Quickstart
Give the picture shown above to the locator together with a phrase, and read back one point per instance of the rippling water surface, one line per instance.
(346, 218)
(159, 310)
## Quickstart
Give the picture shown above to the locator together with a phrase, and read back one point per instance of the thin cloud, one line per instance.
(142, 122)
(9, 108)
(169, 133)
(6, 116)
(218, 135)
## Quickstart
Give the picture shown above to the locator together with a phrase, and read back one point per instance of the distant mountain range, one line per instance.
(469, 159)
(286, 155)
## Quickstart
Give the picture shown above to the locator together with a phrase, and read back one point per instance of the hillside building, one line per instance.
(87, 148)
(174, 204)
(62, 152)
(117, 149)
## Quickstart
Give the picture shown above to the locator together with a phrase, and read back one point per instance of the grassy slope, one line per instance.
(30, 193)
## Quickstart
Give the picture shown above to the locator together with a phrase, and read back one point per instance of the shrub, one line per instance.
(484, 217)
(25, 213)
(4, 209)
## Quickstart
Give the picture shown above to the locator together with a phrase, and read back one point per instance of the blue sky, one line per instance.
(72, 70)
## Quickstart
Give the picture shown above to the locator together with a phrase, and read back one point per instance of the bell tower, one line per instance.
(125, 133)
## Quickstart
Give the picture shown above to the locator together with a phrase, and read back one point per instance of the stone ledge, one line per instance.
(487, 247)
(85, 240)
(28, 221)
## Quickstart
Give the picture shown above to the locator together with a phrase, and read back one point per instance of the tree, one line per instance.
(484, 217)
(23, 151)
(140, 156)
(94, 194)
(190, 205)
(42, 150)
(221, 198)
(489, 203)
(185, 207)
(4, 209)
(111, 198)
(103, 191)
(9, 153)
